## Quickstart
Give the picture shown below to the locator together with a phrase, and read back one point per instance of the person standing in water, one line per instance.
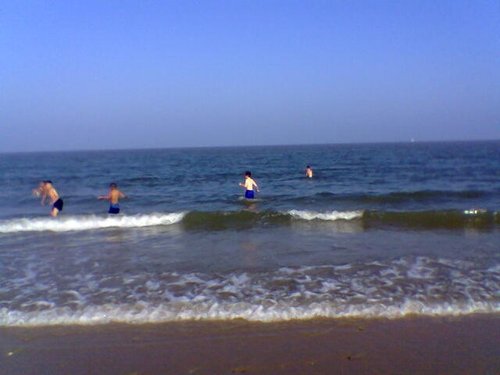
(46, 189)
(249, 185)
(114, 196)
(309, 172)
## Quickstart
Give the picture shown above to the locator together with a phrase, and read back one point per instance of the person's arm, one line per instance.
(256, 187)
(122, 195)
(44, 197)
(36, 192)
(103, 197)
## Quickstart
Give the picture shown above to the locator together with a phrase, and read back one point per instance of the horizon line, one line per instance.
(411, 141)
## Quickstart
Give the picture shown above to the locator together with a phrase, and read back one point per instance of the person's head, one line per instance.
(113, 186)
(46, 183)
(308, 167)
(248, 174)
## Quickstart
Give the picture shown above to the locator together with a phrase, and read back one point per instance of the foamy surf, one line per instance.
(90, 222)
(326, 216)
(419, 286)
(142, 313)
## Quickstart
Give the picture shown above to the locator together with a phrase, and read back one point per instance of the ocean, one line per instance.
(382, 230)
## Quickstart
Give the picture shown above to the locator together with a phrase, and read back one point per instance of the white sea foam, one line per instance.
(326, 216)
(423, 286)
(79, 223)
(182, 311)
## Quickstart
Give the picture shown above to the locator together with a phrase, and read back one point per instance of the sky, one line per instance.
(150, 74)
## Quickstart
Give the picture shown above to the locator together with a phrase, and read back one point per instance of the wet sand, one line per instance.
(467, 345)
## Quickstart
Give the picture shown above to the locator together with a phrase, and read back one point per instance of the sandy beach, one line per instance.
(466, 345)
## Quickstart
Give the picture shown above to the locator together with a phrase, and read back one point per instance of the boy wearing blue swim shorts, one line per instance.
(113, 197)
(249, 186)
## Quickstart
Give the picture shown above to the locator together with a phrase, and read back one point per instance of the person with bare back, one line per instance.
(46, 190)
(114, 195)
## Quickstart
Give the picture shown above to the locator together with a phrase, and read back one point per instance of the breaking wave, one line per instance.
(219, 220)
(89, 222)
(327, 216)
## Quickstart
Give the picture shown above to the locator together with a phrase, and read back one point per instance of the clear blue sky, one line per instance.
(134, 74)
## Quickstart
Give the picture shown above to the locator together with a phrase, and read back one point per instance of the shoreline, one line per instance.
(423, 345)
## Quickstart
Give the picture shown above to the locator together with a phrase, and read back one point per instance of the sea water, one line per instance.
(382, 230)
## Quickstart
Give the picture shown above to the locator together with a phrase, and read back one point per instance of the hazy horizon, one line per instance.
(257, 146)
(140, 75)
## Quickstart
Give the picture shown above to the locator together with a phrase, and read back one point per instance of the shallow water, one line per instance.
(381, 230)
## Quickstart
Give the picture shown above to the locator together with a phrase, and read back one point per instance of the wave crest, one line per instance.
(328, 216)
(220, 220)
(79, 223)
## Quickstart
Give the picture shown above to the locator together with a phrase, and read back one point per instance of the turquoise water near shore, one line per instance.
(381, 230)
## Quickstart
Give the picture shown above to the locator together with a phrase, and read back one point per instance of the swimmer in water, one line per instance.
(113, 197)
(249, 185)
(46, 189)
(309, 172)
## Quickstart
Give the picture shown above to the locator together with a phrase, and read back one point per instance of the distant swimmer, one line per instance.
(114, 196)
(46, 189)
(249, 185)
(309, 172)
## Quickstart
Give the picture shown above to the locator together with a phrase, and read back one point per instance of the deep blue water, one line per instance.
(429, 176)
